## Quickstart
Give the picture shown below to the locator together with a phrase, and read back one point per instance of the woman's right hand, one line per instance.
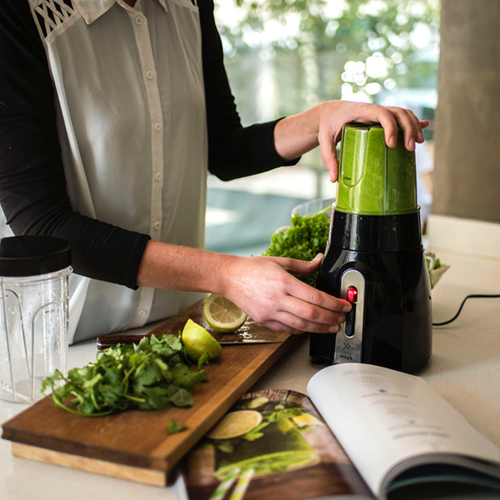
(264, 287)
(267, 290)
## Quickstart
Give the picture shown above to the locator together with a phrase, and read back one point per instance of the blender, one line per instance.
(375, 259)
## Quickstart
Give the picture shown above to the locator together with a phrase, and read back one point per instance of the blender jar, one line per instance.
(34, 272)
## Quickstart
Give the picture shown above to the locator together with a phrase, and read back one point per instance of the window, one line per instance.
(285, 56)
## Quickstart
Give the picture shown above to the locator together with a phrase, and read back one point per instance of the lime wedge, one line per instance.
(306, 419)
(235, 423)
(256, 402)
(222, 315)
(198, 341)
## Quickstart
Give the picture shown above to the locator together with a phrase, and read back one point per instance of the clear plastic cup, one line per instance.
(34, 272)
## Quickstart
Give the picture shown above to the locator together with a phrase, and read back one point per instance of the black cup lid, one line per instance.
(33, 255)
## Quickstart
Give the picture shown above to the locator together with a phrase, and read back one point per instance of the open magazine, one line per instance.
(362, 432)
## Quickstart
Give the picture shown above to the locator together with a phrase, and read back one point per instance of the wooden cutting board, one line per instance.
(134, 445)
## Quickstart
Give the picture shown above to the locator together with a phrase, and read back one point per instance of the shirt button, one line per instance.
(157, 225)
(142, 313)
(158, 176)
(149, 75)
(157, 126)
(139, 20)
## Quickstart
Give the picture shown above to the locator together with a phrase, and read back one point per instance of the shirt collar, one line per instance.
(91, 10)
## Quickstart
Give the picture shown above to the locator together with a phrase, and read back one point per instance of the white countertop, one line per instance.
(464, 369)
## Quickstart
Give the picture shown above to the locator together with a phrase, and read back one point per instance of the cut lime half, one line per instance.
(235, 424)
(198, 341)
(222, 315)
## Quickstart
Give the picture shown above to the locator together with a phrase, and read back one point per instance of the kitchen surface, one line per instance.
(464, 368)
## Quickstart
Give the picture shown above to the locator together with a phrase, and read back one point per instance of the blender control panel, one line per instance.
(349, 339)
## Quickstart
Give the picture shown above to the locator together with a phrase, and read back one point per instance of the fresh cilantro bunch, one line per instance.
(145, 376)
(306, 238)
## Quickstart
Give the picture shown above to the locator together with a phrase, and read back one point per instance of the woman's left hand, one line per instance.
(322, 125)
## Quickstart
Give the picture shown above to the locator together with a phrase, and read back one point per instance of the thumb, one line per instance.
(328, 151)
(310, 267)
(316, 262)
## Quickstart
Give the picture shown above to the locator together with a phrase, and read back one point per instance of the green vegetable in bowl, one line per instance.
(146, 376)
(434, 267)
(432, 263)
(306, 237)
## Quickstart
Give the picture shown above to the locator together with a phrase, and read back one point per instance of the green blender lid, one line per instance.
(373, 178)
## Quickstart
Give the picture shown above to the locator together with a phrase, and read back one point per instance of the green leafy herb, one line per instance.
(173, 427)
(284, 413)
(204, 359)
(225, 446)
(307, 237)
(146, 376)
(437, 264)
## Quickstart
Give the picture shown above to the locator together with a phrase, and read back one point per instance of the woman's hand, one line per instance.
(265, 288)
(322, 125)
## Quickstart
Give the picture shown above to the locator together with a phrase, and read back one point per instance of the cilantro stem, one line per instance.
(127, 375)
(60, 404)
(133, 398)
(92, 396)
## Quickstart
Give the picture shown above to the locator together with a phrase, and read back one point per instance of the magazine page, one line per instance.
(384, 418)
(272, 444)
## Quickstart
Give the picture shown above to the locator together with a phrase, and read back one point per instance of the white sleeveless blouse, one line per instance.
(132, 127)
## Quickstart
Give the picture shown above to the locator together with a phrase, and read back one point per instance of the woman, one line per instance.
(111, 113)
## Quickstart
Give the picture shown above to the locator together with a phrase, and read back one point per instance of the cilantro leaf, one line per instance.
(173, 427)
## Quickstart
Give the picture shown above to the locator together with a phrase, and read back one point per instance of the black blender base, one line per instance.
(321, 348)
(319, 361)
(385, 256)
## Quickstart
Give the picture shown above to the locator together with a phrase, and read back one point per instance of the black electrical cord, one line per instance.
(461, 307)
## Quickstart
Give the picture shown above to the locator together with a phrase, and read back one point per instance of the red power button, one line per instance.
(352, 294)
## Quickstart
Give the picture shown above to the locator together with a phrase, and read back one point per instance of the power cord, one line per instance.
(461, 307)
